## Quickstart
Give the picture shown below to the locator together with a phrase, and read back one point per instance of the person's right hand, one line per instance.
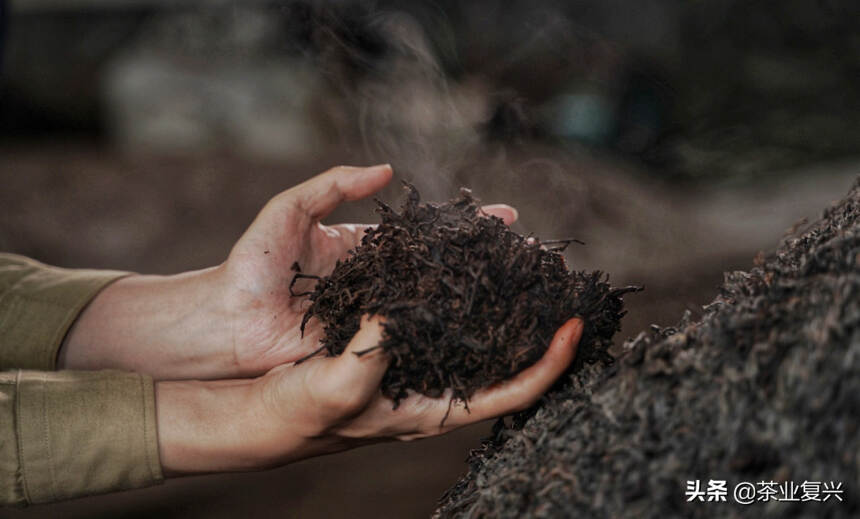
(324, 405)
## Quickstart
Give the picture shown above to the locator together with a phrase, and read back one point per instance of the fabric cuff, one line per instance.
(85, 432)
(11, 486)
(37, 311)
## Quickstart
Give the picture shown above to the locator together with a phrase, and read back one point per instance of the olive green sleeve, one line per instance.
(67, 434)
(38, 305)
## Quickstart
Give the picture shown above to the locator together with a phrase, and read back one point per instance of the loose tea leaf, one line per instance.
(467, 301)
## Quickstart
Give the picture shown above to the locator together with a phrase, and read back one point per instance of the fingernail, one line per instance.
(380, 166)
(516, 214)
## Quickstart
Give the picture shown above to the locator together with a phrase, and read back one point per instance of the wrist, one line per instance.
(222, 426)
(199, 426)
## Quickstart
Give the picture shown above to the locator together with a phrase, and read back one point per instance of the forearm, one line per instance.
(169, 327)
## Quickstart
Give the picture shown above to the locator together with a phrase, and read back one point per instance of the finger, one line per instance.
(321, 194)
(503, 211)
(359, 369)
(527, 387)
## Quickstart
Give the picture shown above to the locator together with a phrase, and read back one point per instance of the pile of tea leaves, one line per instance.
(467, 302)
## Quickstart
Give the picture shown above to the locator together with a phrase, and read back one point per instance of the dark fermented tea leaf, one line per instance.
(467, 302)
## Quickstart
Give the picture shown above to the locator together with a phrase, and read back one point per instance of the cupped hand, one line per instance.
(288, 231)
(327, 404)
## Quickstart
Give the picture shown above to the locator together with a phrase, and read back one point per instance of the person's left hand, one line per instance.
(324, 405)
(237, 319)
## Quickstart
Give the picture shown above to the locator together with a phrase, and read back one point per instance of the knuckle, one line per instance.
(336, 170)
(285, 205)
(323, 400)
(339, 399)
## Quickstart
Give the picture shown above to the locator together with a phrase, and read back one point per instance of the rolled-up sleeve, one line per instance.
(69, 433)
(38, 305)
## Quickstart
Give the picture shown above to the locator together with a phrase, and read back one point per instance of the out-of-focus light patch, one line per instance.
(586, 116)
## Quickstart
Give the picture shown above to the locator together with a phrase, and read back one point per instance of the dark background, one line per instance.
(677, 139)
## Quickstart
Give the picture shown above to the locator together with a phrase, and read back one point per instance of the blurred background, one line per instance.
(677, 139)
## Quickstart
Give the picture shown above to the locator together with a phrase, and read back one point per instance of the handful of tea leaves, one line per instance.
(467, 302)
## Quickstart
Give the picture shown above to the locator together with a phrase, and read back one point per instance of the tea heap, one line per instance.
(763, 389)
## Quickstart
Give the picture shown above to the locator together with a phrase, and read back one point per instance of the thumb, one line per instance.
(355, 375)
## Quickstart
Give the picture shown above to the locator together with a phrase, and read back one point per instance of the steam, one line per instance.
(391, 90)
(402, 107)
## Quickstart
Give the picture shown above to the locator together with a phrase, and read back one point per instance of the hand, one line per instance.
(236, 319)
(324, 405)
(288, 231)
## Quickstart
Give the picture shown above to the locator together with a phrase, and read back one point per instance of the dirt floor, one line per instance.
(76, 205)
